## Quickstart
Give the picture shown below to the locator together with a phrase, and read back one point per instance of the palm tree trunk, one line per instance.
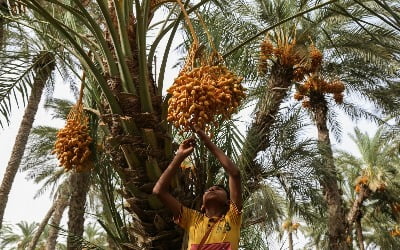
(140, 155)
(267, 108)
(42, 226)
(360, 238)
(2, 24)
(355, 214)
(355, 210)
(290, 236)
(61, 205)
(79, 184)
(45, 64)
(277, 89)
(337, 226)
(4, 8)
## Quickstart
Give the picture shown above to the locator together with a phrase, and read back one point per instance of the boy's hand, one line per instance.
(203, 136)
(186, 147)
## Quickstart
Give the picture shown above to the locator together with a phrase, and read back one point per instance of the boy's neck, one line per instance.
(214, 211)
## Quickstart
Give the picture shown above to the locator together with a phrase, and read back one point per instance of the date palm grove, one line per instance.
(296, 65)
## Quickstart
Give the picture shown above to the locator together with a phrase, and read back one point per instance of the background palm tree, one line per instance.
(95, 234)
(380, 166)
(131, 129)
(139, 142)
(43, 65)
(42, 167)
(326, 28)
(28, 63)
(60, 205)
(18, 237)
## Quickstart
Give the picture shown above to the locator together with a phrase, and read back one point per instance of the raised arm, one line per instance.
(161, 189)
(233, 172)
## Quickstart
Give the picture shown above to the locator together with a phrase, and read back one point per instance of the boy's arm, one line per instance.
(233, 172)
(161, 189)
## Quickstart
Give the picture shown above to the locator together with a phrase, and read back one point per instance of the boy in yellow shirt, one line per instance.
(217, 226)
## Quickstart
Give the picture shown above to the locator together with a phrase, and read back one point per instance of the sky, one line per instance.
(23, 207)
(21, 204)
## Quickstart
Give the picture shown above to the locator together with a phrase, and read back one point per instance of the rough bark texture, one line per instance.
(360, 238)
(277, 89)
(42, 226)
(44, 66)
(79, 184)
(290, 243)
(153, 228)
(355, 209)
(61, 204)
(256, 141)
(139, 156)
(2, 24)
(355, 214)
(4, 7)
(337, 226)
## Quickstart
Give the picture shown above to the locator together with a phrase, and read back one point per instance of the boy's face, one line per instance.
(215, 193)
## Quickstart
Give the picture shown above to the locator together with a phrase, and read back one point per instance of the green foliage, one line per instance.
(359, 50)
(17, 73)
(38, 161)
(18, 236)
(380, 163)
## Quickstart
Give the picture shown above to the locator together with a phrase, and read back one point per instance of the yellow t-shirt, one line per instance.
(225, 233)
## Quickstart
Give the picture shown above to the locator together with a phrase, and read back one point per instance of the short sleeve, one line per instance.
(186, 217)
(234, 213)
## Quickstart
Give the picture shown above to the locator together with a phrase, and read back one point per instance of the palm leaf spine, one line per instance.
(84, 58)
(153, 46)
(165, 58)
(93, 27)
(376, 14)
(126, 77)
(274, 26)
(141, 28)
(99, 37)
(166, 30)
(122, 28)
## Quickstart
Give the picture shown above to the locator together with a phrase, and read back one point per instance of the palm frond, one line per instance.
(79, 240)
(59, 107)
(16, 76)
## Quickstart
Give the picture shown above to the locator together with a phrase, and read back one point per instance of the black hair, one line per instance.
(227, 196)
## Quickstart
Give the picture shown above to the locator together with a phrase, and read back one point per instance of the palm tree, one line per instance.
(19, 237)
(321, 21)
(60, 205)
(123, 70)
(79, 183)
(43, 65)
(95, 235)
(7, 7)
(281, 83)
(32, 244)
(262, 212)
(316, 233)
(374, 175)
(128, 100)
(42, 167)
